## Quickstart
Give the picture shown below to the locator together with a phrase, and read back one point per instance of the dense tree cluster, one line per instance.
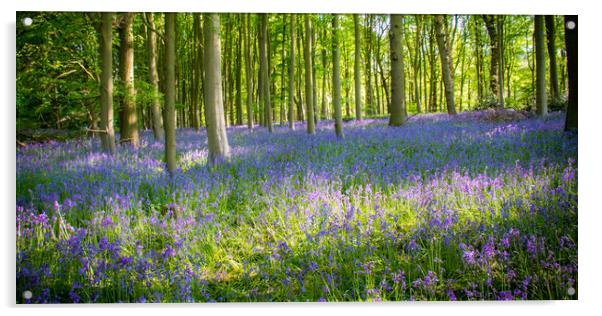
(180, 70)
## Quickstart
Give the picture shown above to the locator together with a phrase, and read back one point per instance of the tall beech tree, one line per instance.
(151, 44)
(398, 115)
(307, 52)
(170, 92)
(443, 43)
(356, 68)
(248, 69)
(106, 83)
(336, 80)
(541, 101)
(264, 75)
(217, 139)
(551, 41)
(495, 55)
(128, 114)
(570, 37)
(291, 73)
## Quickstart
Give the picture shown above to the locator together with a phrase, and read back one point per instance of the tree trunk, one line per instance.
(446, 66)
(291, 74)
(264, 71)
(570, 38)
(248, 71)
(300, 86)
(217, 139)
(151, 41)
(551, 36)
(198, 68)
(540, 65)
(417, 58)
(500, 35)
(347, 88)
(238, 72)
(336, 80)
(314, 84)
(356, 69)
(170, 96)
(397, 73)
(311, 129)
(106, 83)
(282, 71)
(368, 63)
(324, 72)
(493, 42)
(479, 61)
(129, 120)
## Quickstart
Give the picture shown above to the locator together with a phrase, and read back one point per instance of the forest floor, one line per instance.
(470, 207)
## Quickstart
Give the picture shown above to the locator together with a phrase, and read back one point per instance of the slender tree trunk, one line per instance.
(433, 67)
(324, 72)
(291, 74)
(397, 72)
(248, 71)
(314, 84)
(417, 58)
(129, 123)
(336, 80)
(217, 139)
(198, 68)
(493, 42)
(170, 96)
(479, 61)
(346, 82)
(356, 71)
(446, 66)
(238, 72)
(154, 79)
(264, 71)
(368, 63)
(106, 83)
(551, 36)
(282, 71)
(308, 78)
(300, 66)
(540, 65)
(570, 38)
(500, 35)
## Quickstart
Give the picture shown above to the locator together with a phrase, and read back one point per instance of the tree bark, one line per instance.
(238, 72)
(198, 68)
(291, 74)
(368, 63)
(248, 71)
(356, 69)
(417, 58)
(500, 35)
(446, 63)
(170, 95)
(540, 65)
(397, 73)
(493, 43)
(311, 129)
(106, 83)
(129, 119)
(551, 39)
(336, 80)
(264, 71)
(570, 38)
(151, 41)
(217, 139)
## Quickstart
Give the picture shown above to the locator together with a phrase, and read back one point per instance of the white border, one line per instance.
(589, 149)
